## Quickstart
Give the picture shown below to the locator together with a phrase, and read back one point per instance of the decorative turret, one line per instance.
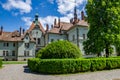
(75, 20)
(36, 17)
(75, 14)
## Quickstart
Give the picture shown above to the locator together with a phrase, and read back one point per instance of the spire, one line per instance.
(75, 20)
(75, 13)
(36, 17)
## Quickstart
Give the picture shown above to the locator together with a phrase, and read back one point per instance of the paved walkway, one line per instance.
(21, 72)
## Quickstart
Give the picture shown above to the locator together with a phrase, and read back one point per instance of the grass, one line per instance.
(14, 62)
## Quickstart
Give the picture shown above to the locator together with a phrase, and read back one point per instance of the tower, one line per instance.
(75, 14)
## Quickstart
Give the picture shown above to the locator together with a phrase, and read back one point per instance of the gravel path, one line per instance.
(21, 72)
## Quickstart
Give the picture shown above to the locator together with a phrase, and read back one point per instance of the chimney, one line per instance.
(20, 31)
(55, 22)
(82, 15)
(59, 22)
(47, 27)
(71, 20)
(1, 30)
(23, 31)
(52, 26)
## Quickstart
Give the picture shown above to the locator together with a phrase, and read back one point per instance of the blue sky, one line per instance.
(16, 13)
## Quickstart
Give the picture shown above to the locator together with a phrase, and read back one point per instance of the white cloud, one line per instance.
(21, 5)
(67, 6)
(47, 20)
(51, 1)
(28, 21)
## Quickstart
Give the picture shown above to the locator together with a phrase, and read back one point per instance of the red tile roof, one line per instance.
(63, 26)
(12, 36)
(82, 23)
(33, 26)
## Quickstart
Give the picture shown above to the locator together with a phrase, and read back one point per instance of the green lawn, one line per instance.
(14, 62)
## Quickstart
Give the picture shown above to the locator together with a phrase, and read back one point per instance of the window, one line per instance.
(36, 32)
(13, 53)
(73, 37)
(6, 44)
(3, 53)
(27, 37)
(26, 53)
(38, 40)
(7, 53)
(35, 39)
(13, 44)
(27, 45)
(83, 36)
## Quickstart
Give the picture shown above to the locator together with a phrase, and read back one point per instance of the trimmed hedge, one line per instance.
(62, 66)
(58, 50)
(98, 64)
(0, 62)
(59, 66)
(33, 64)
(112, 63)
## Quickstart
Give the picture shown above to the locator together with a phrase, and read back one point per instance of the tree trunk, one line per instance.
(107, 50)
(99, 54)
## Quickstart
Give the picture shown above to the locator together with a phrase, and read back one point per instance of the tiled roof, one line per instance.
(31, 38)
(33, 26)
(63, 26)
(82, 23)
(12, 36)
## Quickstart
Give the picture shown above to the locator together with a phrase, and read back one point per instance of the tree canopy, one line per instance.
(104, 19)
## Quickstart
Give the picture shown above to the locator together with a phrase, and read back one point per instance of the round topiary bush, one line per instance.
(58, 50)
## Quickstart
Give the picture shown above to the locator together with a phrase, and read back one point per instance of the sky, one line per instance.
(20, 13)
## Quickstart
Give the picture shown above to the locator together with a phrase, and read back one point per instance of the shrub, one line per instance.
(98, 64)
(112, 63)
(60, 66)
(33, 64)
(0, 62)
(58, 50)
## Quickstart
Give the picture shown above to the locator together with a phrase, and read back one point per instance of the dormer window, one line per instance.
(27, 37)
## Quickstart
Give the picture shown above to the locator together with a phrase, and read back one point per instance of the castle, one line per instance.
(21, 45)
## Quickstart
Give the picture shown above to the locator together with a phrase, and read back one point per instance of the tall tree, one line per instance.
(104, 19)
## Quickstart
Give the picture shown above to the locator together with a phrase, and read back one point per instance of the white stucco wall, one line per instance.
(10, 48)
(56, 37)
(81, 31)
